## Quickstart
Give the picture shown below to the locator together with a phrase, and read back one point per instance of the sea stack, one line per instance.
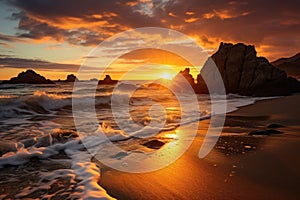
(28, 77)
(71, 78)
(183, 81)
(107, 81)
(246, 74)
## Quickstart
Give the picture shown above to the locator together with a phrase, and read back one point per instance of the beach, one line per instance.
(241, 166)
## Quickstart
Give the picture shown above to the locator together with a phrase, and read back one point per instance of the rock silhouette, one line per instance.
(183, 81)
(107, 81)
(28, 77)
(246, 74)
(71, 78)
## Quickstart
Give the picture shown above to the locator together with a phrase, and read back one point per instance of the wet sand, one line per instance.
(241, 166)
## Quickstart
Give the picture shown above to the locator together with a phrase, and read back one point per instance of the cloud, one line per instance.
(4, 44)
(89, 22)
(252, 22)
(13, 62)
(9, 38)
(78, 22)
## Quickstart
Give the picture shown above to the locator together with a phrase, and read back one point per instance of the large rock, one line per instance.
(29, 77)
(246, 74)
(107, 81)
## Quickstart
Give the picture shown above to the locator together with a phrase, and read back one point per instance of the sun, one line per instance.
(166, 76)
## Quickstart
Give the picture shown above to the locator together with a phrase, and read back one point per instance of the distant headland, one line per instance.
(28, 77)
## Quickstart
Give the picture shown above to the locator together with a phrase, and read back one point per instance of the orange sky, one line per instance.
(54, 37)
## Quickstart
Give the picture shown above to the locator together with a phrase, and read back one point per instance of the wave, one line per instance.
(41, 102)
(86, 172)
(38, 103)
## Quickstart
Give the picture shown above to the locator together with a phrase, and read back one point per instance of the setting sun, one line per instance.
(167, 76)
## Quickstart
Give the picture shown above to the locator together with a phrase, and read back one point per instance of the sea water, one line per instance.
(45, 156)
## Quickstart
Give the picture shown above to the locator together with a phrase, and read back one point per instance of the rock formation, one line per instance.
(183, 80)
(246, 74)
(290, 65)
(107, 81)
(185, 74)
(71, 78)
(94, 79)
(28, 77)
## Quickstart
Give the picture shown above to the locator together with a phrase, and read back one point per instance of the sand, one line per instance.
(239, 167)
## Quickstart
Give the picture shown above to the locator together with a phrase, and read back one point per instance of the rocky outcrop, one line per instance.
(93, 79)
(107, 81)
(290, 65)
(185, 74)
(183, 81)
(28, 77)
(71, 78)
(246, 74)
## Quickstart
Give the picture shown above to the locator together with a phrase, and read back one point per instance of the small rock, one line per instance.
(120, 155)
(259, 132)
(265, 132)
(154, 144)
(273, 131)
(29, 142)
(275, 126)
(44, 141)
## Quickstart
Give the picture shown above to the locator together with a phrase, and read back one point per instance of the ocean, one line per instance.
(44, 154)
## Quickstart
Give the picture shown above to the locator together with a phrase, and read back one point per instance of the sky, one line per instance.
(54, 37)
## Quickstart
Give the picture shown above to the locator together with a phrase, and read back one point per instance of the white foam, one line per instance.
(89, 174)
(86, 171)
(42, 102)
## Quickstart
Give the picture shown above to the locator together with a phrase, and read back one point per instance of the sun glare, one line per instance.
(166, 76)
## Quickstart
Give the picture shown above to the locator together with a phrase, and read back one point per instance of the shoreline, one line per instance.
(270, 170)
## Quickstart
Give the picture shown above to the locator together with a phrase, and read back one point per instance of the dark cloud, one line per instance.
(89, 22)
(254, 22)
(252, 19)
(4, 44)
(78, 22)
(9, 38)
(12, 62)
(33, 29)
